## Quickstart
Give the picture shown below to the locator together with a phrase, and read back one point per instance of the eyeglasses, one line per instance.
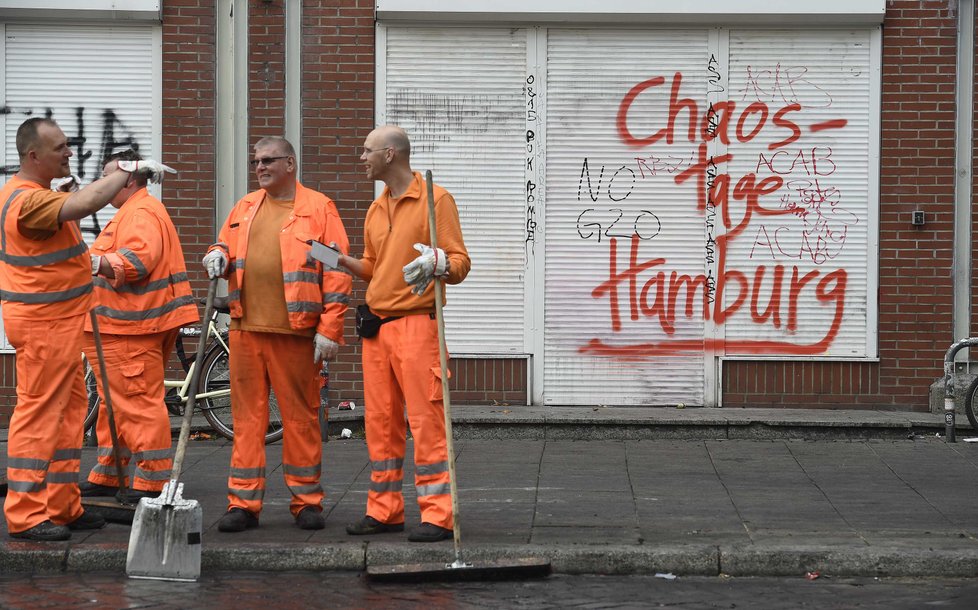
(266, 161)
(367, 151)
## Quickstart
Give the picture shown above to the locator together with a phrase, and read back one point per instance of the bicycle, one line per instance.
(214, 386)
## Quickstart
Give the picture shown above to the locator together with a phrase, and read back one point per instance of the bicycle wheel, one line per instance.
(91, 388)
(217, 410)
(970, 406)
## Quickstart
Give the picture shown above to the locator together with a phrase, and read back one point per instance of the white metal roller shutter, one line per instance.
(624, 189)
(101, 83)
(458, 93)
(98, 82)
(824, 224)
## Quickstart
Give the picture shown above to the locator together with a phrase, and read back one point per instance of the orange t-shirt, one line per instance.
(38, 219)
(263, 290)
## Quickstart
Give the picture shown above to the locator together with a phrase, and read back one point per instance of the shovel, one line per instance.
(164, 543)
(114, 512)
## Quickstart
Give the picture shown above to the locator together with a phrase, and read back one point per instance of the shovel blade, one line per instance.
(164, 543)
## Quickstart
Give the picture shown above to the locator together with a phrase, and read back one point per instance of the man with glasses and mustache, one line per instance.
(401, 364)
(287, 314)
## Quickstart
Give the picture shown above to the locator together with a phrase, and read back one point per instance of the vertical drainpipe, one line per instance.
(964, 83)
(293, 78)
(231, 121)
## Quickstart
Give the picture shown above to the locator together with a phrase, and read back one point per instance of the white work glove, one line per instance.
(96, 263)
(420, 271)
(68, 184)
(154, 170)
(324, 348)
(215, 263)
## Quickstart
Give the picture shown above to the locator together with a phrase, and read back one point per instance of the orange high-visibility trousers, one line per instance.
(401, 370)
(45, 436)
(259, 362)
(136, 366)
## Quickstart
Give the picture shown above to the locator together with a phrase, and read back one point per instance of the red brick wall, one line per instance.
(337, 115)
(917, 172)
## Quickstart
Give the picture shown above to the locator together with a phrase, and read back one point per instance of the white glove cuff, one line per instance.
(441, 263)
(96, 264)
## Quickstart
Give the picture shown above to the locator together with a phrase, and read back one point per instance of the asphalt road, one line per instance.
(245, 590)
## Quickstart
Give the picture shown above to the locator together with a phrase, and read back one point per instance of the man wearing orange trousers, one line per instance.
(46, 291)
(401, 366)
(142, 297)
(286, 316)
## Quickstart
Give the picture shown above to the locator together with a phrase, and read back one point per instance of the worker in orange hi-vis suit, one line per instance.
(46, 292)
(401, 367)
(142, 297)
(287, 313)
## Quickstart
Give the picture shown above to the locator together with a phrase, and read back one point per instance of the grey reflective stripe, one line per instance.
(105, 470)
(66, 454)
(107, 452)
(152, 475)
(305, 489)
(302, 471)
(247, 473)
(146, 314)
(48, 258)
(25, 487)
(301, 276)
(301, 306)
(436, 489)
(36, 298)
(386, 486)
(3, 221)
(247, 494)
(27, 463)
(146, 288)
(336, 297)
(388, 464)
(130, 256)
(239, 263)
(62, 478)
(437, 468)
(234, 295)
(153, 454)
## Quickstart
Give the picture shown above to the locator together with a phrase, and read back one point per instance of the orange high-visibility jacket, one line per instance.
(313, 296)
(45, 279)
(155, 295)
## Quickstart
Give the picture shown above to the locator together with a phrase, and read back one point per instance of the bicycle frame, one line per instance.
(183, 386)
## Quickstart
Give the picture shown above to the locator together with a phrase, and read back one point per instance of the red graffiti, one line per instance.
(770, 295)
(715, 122)
(661, 295)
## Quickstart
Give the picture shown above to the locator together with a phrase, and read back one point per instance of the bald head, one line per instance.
(396, 138)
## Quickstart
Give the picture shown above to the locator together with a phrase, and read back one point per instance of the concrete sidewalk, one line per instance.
(744, 492)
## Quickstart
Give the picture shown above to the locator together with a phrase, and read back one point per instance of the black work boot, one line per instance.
(368, 525)
(45, 531)
(429, 532)
(237, 520)
(87, 521)
(310, 518)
